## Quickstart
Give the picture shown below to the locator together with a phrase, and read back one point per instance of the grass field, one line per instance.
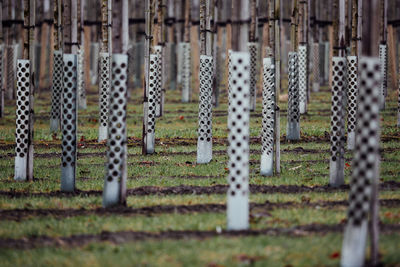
(176, 209)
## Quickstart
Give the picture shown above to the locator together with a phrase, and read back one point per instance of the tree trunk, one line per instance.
(293, 26)
(104, 26)
(253, 22)
(67, 27)
(354, 27)
(186, 35)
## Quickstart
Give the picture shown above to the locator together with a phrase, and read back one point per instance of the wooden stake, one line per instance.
(392, 56)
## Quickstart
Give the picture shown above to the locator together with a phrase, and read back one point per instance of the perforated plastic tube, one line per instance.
(69, 124)
(293, 124)
(204, 141)
(268, 113)
(365, 163)
(239, 118)
(115, 180)
(22, 120)
(336, 167)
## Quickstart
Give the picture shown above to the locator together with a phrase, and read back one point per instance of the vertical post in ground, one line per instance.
(364, 183)
(149, 17)
(337, 138)
(204, 141)
(116, 169)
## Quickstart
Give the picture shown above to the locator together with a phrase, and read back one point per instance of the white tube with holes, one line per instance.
(365, 164)
(253, 49)
(268, 114)
(158, 51)
(179, 64)
(238, 120)
(384, 62)
(303, 82)
(57, 87)
(104, 84)
(69, 124)
(152, 104)
(336, 166)
(81, 79)
(352, 91)
(22, 120)
(94, 62)
(204, 141)
(186, 73)
(316, 66)
(293, 123)
(115, 180)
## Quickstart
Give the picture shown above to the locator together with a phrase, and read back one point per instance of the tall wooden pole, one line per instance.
(253, 20)
(359, 27)
(277, 56)
(105, 26)
(383, 21)
(203, 40)
(293, 26)
(354, 27)
(235, 33)
(124, 27)
(57, 21)
(186, 35)
(74, 26)
(28, 53)
(67, 27)
(335, 24)
(161, 39)
(2, 92)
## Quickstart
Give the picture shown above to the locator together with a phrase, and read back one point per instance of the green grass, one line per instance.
(166, 170)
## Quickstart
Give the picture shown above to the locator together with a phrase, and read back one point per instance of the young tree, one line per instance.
(25, 98)
(204, 142)
(115, 181)
(364, 183)
(147, 144)
(105, 67)
(336, 166)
